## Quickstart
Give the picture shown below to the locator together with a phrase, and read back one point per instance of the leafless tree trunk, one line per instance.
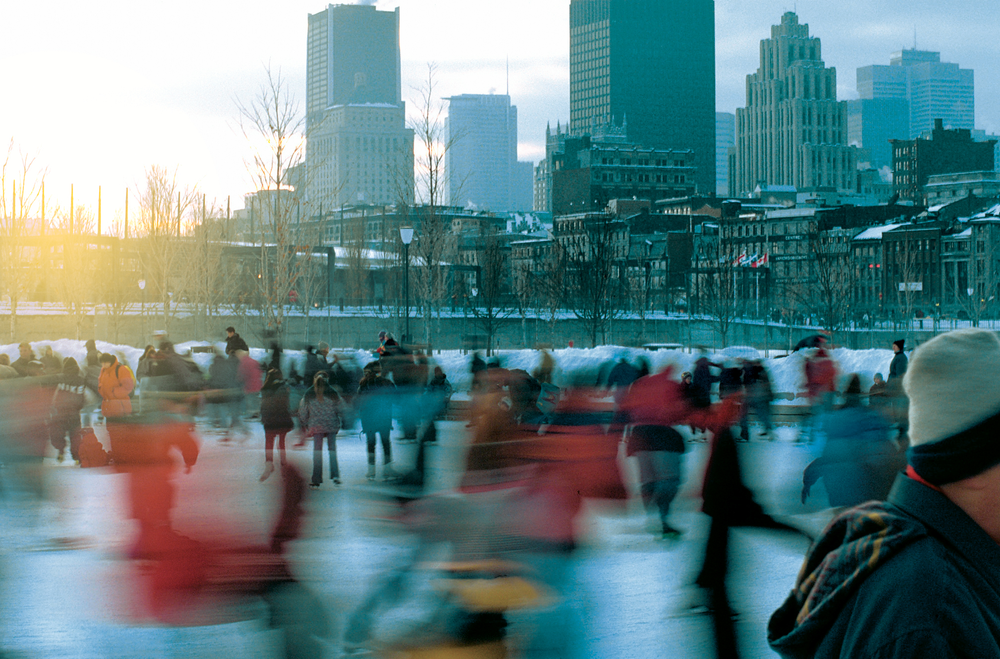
(274, 129)
(21, 180)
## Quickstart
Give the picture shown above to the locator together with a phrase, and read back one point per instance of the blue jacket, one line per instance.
(859, 462)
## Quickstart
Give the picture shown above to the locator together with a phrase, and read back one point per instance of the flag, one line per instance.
(759, 261)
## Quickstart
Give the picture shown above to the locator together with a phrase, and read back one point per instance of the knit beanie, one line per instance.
(954, 405)
(899, 343)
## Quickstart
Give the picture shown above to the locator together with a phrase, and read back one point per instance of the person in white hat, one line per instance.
(919, 574)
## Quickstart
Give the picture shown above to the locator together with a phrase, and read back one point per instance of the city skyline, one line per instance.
(99, 97)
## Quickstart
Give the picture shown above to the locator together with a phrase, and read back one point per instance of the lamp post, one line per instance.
(406, 235)
(142, 287)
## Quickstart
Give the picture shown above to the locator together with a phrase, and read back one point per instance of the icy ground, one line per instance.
(64, 591)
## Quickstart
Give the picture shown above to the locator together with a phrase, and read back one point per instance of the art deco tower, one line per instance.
(793, 131)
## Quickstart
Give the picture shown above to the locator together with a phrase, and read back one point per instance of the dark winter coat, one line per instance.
(730, 382)
(701, 384)
(21, 365)
(897, 369)
(914, 577)
(374, 403)
(877, 396)
(69, 398)
(223, 381)
(437, 395)
(275, 411)
(314, 363)
(757, 384)
(234, 343)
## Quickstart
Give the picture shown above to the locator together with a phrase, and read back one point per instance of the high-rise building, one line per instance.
(352, 57)
(901, 101)
(481, 161)
(358, 149)
(650, 63)
(360, 154)
(793, 130)
(725, 139)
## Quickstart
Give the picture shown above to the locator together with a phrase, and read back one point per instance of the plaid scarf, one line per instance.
(850, 549)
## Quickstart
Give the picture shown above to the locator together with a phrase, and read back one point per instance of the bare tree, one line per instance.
(21, 181)
(357, 262)
(595, 260)
(551, 283)
(434, 244)
(719, 287)
(828, 287)
(164, 210)
(274, 128)
(76, 279)
(492, 304)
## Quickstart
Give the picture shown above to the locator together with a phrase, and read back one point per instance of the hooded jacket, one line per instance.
(115, 384)
(912, 577)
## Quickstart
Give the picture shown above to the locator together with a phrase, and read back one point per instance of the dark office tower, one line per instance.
(352, 57)
(650, 64)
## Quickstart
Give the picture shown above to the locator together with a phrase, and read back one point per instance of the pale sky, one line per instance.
(98, 91)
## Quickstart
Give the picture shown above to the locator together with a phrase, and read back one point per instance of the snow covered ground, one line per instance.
(572, 364)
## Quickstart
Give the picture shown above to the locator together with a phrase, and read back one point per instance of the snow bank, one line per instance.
(583, 365)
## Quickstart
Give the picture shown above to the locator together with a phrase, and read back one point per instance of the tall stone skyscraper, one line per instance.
(649, 64)
(481, 159)
(793, 131)
(358, 149)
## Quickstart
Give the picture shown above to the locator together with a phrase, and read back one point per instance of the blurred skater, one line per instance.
(276, 417)
(319, 415)
(653, 404)
(859, 461)
(67, 402)
(374, 405)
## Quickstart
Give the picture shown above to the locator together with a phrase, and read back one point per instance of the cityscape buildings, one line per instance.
(358, 148)
(901, 100)
(940, 151)
(650, 64)
(792, 130)
(481, 160)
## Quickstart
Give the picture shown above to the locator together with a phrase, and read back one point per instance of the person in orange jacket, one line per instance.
(115, 384)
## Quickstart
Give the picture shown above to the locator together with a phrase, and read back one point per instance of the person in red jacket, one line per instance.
(653, 404)
(144, 450)
(821, 387)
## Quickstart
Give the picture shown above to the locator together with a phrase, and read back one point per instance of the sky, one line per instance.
(98, 92)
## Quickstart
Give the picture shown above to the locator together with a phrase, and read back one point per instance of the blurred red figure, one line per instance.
(144, 450)
(653, 404)
(190, 581)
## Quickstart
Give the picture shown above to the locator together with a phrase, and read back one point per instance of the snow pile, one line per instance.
(573, 365)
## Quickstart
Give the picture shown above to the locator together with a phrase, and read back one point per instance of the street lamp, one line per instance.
(142, 287)
(406, 235)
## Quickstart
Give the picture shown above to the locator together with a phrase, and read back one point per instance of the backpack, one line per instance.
(92, 453)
